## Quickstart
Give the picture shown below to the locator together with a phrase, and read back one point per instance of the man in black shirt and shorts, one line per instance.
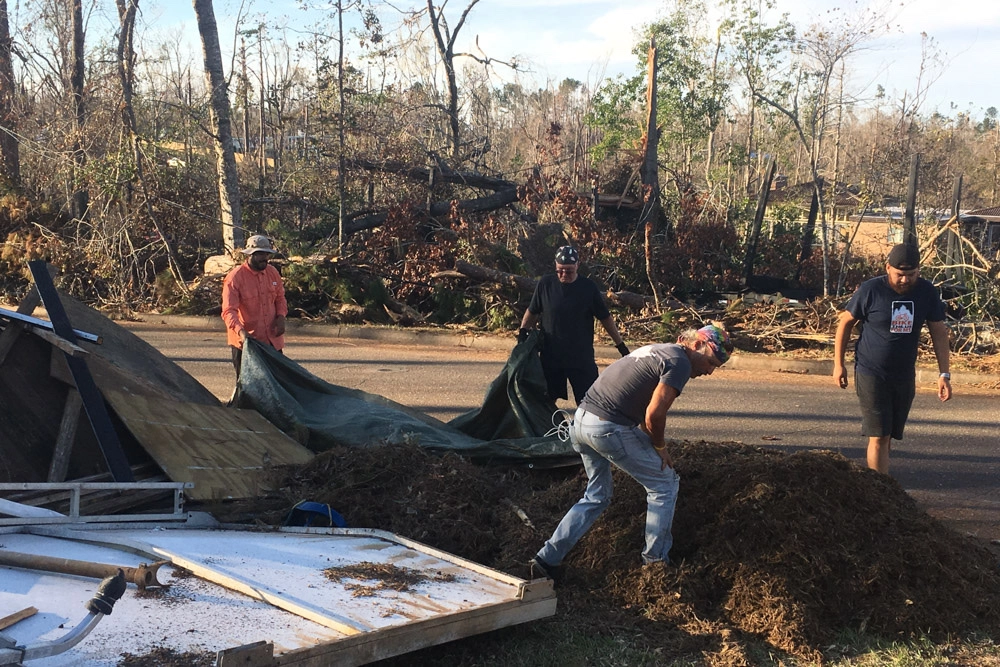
(567, 305)
(892, 309)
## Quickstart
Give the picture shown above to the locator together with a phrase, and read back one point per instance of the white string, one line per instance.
(562, 420)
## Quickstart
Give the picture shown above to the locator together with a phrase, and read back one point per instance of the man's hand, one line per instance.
(665, 458)
(840, 375)
(243, 336)
(522, 335)
(944, 388)
(279, 325)
(622, 349)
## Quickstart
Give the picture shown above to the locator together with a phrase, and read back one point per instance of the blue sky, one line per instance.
(588, 39)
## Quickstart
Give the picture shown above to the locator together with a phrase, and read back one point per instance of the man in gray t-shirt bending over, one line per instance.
(621, 421)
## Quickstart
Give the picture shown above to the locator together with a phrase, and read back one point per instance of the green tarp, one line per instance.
(509, 427)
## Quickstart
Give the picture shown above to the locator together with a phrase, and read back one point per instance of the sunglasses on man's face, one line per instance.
(565, 271)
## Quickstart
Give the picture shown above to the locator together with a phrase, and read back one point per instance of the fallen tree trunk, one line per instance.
(634, 300)
(489, 203)
(442, 173)
(482, 274)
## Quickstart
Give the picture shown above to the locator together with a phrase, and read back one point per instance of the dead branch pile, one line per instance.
(772, 551)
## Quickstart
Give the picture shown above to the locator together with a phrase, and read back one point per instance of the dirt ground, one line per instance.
(775, 553)
(761, 560)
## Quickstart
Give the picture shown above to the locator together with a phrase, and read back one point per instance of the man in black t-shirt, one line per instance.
(567, 305)
(892, 309)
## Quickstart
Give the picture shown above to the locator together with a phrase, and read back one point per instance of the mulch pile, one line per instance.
(770, 549)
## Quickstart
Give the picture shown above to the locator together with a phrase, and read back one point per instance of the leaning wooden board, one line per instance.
(223, 451)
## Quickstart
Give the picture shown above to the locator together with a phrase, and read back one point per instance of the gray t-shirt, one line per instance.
(623, 391)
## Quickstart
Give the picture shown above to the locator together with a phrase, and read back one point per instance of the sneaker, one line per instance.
(542, 570)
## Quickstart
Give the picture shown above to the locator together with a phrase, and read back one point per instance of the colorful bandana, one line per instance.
(718, 340)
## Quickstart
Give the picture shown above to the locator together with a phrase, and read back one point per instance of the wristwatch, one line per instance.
(946, 376)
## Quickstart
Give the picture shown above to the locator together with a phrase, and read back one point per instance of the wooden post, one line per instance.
(954, 249)
(909, 217)
(596, 194)
(650, 173)
(807, 235)
(67, 434)
(758, 221)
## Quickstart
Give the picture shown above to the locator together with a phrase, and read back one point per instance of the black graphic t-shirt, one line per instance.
(891, 323)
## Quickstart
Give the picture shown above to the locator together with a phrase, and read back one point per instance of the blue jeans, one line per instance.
(601, 444)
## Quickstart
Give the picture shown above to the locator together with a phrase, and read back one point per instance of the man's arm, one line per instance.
(845, 325)
(942, 350)
(656, 420)
(609, 325)
(230, 308)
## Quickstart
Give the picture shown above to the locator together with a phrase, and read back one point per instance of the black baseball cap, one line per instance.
(904, 257)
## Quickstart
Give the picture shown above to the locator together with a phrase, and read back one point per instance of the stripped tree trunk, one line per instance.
(81, 197)
(650, 172)
(10, 159)
(229, 189)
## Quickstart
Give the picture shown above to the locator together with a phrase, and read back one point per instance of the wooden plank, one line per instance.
(67, 347)
(17, 616)
(258, 654)
(67, 433)
(222, 451)
(45, 325)
(397, 640)
(93, 403)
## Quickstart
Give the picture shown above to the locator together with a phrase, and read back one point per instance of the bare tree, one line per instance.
(444, 39)
(126, 74)
(222, 133)
(81, 198)
(10, 160)
(805, 97)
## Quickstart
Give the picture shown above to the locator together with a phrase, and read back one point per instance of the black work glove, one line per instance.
(522, 335)
(622, 349)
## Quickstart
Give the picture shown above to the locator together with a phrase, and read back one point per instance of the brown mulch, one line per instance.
(386, 577)
(770, 549)
(165, 657)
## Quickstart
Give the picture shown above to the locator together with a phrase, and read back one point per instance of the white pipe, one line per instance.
(10, 508)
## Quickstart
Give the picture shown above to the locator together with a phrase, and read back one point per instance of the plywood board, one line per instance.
(223, 451)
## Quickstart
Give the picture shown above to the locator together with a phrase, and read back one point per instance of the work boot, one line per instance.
(542, 570)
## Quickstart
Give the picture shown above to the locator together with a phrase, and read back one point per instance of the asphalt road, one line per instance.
(949, 461)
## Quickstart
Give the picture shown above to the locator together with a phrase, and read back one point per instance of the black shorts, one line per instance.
(885, 404)
(579, 378)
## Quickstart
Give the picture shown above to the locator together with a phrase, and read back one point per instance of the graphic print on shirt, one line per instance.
(902, 317)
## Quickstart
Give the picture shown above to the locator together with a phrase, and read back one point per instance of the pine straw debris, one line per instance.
(165, 657)
(771, 550)
(389, 577)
